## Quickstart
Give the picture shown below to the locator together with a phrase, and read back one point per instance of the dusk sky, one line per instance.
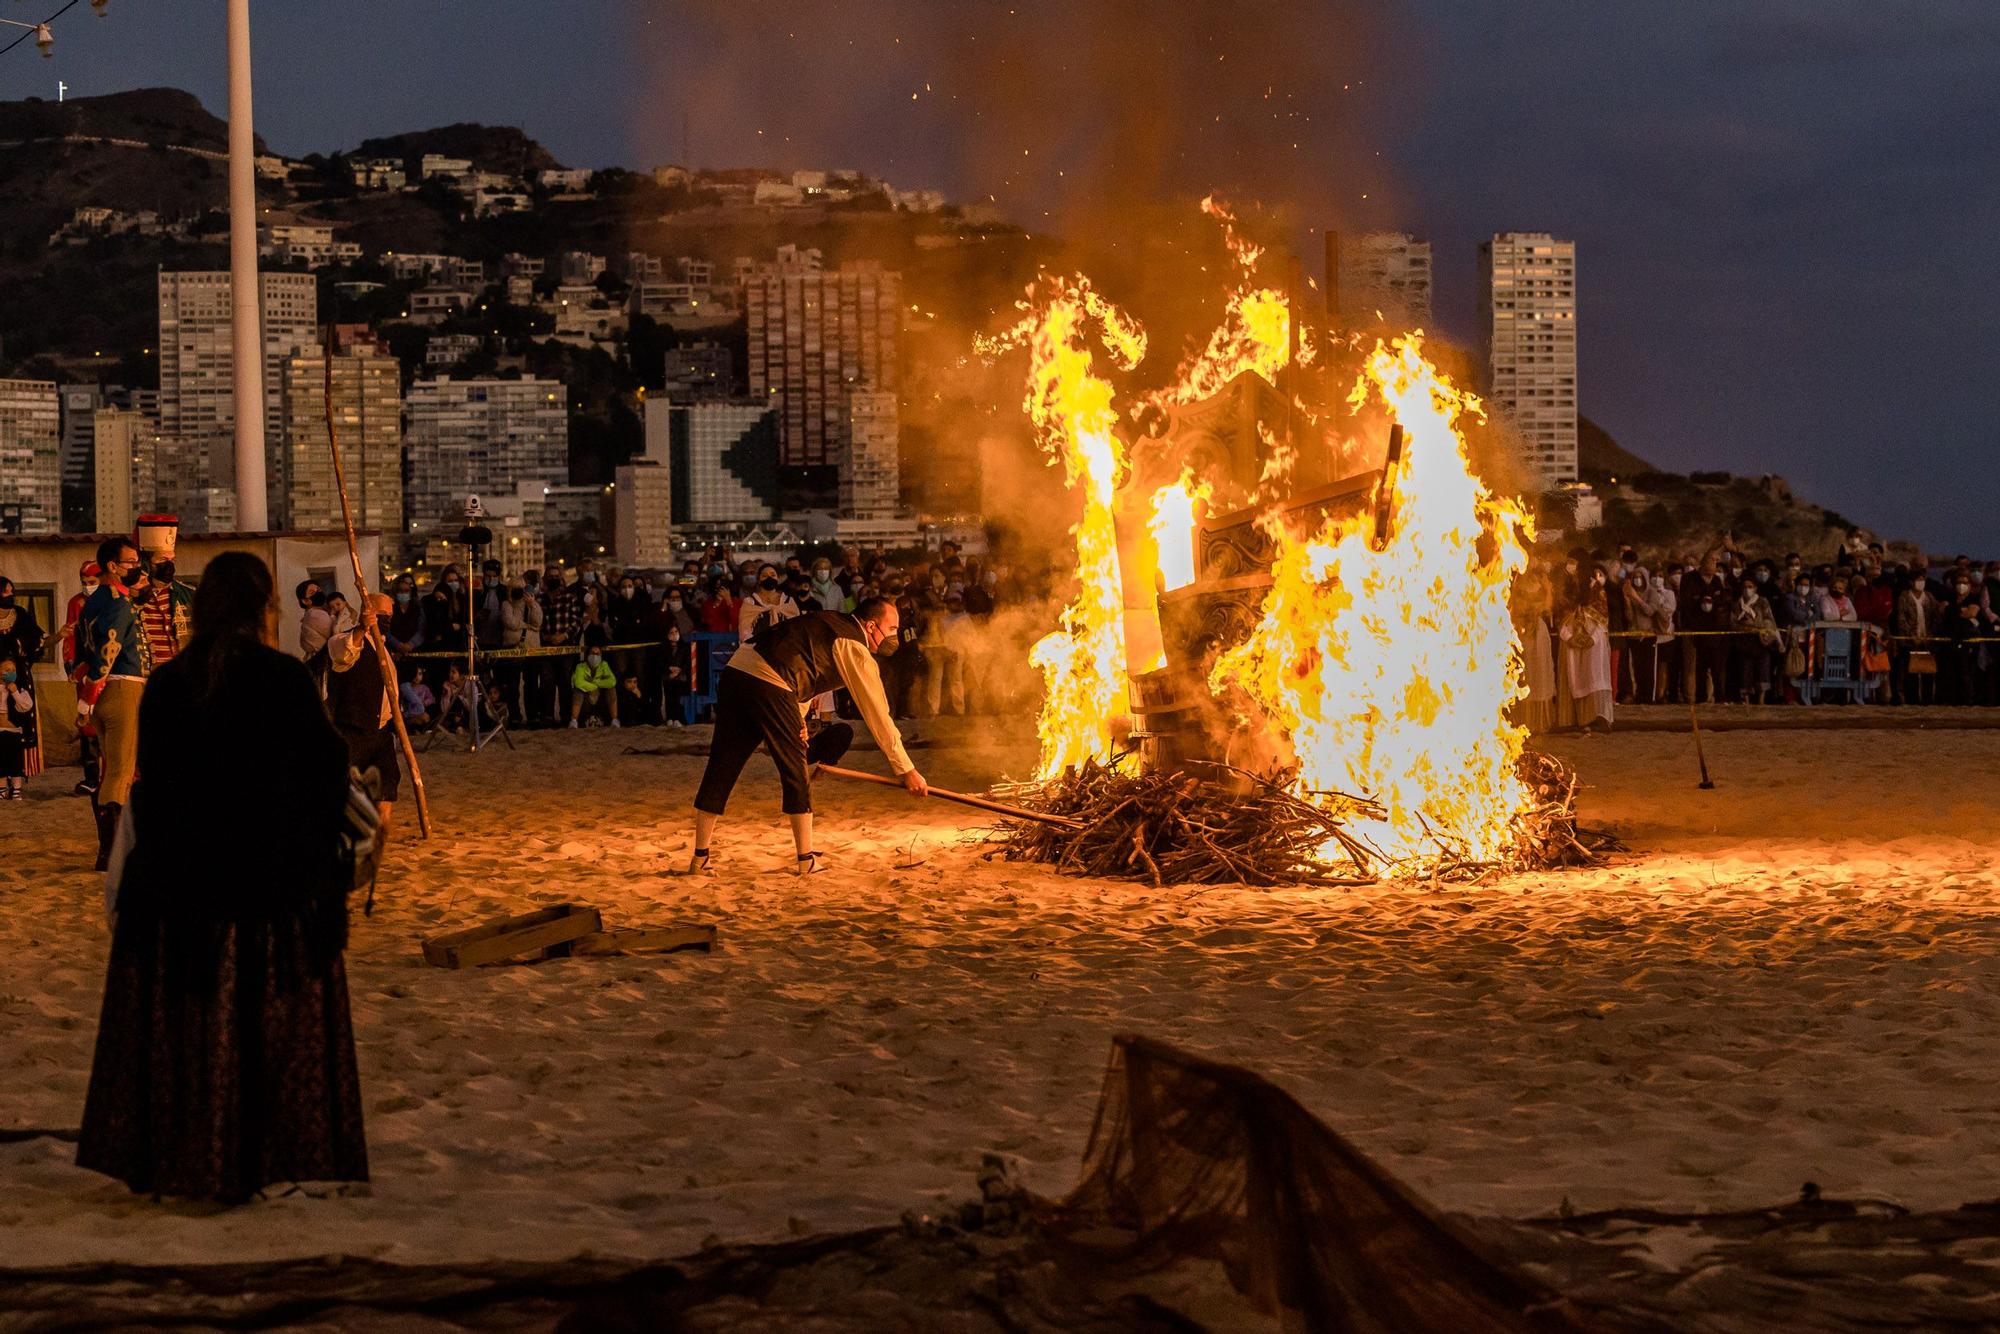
(1785, 213)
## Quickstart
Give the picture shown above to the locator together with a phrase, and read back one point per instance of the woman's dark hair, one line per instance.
(234, 594)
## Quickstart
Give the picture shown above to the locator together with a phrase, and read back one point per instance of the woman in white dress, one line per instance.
(1538, 662)
(1587, 655)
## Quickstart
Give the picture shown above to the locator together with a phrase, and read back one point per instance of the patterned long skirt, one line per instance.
(225, 1062)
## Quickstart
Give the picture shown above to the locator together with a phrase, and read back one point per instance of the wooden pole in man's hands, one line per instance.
(361, 600)
(962, 798)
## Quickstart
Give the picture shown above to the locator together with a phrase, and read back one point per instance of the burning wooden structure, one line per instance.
(1254, 598)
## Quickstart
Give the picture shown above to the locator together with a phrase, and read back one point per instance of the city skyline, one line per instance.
(1733, 174)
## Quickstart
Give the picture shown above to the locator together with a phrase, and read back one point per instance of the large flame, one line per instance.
(1084, 664)
(1171, 524)
(1384, 659)
(1256, 329)
(1390, 670)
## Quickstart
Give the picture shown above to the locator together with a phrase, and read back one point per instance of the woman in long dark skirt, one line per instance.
(225, 1055)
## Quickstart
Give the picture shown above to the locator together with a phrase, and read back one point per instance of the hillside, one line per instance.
(86, 309)
(501, 148)
(159, 116)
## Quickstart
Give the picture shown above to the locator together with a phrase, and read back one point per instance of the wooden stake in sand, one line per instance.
(1695, 717)
(361, 600)
(962, 798)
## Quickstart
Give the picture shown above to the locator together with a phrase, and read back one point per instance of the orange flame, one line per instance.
(1256, 329)
(1390, 671)
(1084, 664)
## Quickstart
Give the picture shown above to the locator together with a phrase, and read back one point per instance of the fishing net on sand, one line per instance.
(1189, 1157)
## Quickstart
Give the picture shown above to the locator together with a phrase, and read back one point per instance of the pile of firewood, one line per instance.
(1177, 829)
(1181, 829)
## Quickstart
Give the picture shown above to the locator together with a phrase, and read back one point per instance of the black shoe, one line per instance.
(107, 830)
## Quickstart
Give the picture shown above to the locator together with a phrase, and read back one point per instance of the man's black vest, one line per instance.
(354, 697)
(801, 650)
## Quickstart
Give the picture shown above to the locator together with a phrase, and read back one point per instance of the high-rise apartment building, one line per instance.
(722, 459)
(1371, 272)
(368, 415)
(642, 523)
(478, 438)
(816, 337)
(30, 457)
(122, 442)
(1527, 317)
(869, 484)
(80, 403)
(198, 388)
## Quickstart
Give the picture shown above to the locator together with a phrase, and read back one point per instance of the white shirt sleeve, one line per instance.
(863, 680)
(346, 650)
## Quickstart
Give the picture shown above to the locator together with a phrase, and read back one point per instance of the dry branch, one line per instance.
(1179, 829)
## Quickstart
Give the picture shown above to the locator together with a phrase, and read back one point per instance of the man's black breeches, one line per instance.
(750, 713)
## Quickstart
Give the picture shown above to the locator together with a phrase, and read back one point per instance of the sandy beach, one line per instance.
(1792, 977)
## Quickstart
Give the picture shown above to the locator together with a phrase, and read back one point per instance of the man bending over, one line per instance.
(761, 700)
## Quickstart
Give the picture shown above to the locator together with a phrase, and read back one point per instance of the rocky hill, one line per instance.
(501, 148)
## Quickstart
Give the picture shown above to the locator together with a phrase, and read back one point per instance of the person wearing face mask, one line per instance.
(676, 674)
(404, 630)
(1913, 659)
(166, 612)
(674, 613)
(767, 607)
(17, 727)
(88, 754)
(115, 660)
(631, 619)
(1703, 601)
(1758, 638)
(1646, 612)
(761, 701)
(1835, 605)
(1963, 620)
(446, 609)
(593, 687)
(824, 588)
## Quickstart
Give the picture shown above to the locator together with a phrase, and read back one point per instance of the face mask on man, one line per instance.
(133, 577)
(1964, 588)
(596, 658)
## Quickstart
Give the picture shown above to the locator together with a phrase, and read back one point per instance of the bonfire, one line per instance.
(1277, 668)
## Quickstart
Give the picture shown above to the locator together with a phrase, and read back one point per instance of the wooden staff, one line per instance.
(962, 798)
(361, 593)
(1695, 717)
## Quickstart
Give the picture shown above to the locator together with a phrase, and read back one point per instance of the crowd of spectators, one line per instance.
(635, 637)
(1725, 626)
